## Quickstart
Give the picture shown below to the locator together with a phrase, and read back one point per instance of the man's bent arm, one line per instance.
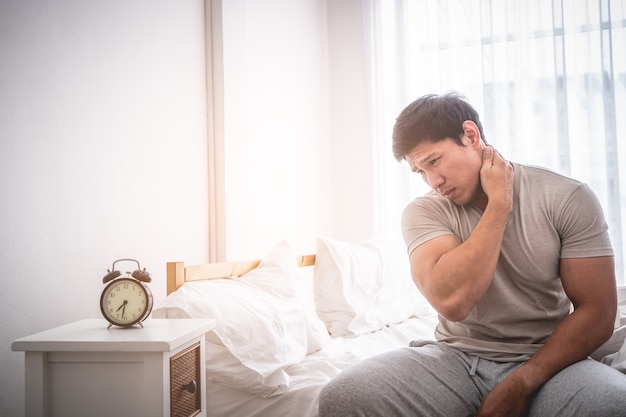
(590, 285)
(454, 276)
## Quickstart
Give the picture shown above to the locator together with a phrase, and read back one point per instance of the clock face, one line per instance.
(125, 301)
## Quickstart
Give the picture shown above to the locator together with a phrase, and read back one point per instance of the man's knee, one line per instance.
(343, 397)
(608, 398)
(366, 389)
(587, 388)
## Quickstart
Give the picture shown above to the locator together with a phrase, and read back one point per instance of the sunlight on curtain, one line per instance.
(547, 77)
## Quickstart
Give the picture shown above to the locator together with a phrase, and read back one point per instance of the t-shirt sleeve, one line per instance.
(423, 219)
(582, 227)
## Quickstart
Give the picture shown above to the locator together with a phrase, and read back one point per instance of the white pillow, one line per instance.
(262, 325)
(361, 288)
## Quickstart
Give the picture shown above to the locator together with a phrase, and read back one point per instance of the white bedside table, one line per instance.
(83, 369)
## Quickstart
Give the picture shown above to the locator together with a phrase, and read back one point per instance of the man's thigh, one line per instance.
(419, 381)
(586, 388)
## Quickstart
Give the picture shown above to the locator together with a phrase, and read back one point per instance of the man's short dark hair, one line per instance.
(432, 118)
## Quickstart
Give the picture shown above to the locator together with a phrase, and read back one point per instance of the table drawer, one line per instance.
(185, 389)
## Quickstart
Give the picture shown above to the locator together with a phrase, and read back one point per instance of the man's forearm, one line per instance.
(575, 338)
(590, 285)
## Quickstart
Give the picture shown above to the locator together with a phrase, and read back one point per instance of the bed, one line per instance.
(288, 323)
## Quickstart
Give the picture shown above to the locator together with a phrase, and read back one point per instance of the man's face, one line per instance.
(450, 169)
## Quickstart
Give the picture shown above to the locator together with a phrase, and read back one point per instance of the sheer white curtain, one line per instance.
(547, 77)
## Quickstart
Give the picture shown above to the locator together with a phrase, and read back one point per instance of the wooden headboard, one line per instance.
(178, 273)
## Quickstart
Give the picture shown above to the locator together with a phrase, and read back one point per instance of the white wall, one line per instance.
(102, 156)
(298, 159)
(103, 150)
(276, 125)
(351, 126)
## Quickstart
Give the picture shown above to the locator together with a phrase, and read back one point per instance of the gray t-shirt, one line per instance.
(553, 217)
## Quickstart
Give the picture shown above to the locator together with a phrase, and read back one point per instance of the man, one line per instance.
(518, 263)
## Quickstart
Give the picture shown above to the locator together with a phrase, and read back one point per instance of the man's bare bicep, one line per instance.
(424, 258)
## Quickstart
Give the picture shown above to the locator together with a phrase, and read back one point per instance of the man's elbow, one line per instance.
(607, 327)
(603, 323)
(453, 310)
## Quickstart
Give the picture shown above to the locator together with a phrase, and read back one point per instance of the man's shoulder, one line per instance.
(542, 174)
(434, 206)
(536, 181)
(430, 201)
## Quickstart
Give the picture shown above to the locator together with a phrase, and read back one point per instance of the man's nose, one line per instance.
(434, 179)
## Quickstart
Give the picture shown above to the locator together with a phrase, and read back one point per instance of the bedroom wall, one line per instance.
(103, 151)
(276, 125)
(298, 162)
(102, 156)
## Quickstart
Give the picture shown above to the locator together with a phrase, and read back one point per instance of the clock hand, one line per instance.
(123, 305)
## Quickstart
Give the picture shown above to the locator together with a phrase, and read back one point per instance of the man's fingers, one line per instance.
(488, 154)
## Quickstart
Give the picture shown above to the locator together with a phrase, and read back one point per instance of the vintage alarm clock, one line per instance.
(126, 301)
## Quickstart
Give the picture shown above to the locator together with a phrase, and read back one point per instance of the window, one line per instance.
(548, 79)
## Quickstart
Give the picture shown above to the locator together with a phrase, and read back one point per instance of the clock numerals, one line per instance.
(125, 302)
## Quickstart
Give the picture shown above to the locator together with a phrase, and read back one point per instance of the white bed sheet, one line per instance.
(315, 371)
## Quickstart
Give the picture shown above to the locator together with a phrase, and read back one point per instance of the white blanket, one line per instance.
(309, 377)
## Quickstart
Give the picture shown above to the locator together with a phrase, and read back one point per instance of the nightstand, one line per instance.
(83, 369)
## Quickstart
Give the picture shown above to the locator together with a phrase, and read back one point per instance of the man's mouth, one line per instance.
(447, 192)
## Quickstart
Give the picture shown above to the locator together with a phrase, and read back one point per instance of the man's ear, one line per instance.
(470, 130)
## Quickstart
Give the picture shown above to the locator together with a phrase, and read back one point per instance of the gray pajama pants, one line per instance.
(433, 379)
